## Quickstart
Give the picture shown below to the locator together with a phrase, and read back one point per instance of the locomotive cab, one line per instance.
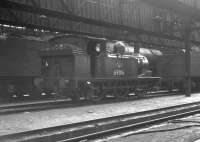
(62, 66)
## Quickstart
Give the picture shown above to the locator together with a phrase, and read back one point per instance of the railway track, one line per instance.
(101, 127)
(37, 106)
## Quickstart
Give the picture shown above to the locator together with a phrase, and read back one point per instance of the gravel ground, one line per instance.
(168, 132)
(47, 118)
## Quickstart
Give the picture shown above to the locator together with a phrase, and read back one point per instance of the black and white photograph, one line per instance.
(99, 70)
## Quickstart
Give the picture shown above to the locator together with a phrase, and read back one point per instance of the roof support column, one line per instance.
(187, 60)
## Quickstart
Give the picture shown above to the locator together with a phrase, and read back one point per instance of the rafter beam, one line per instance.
(62, 31)
(176, 7)
(61, 15)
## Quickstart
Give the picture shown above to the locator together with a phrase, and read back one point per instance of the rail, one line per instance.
(52, 104)
(104, 126)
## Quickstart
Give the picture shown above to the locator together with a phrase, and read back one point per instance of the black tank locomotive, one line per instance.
(93, 69)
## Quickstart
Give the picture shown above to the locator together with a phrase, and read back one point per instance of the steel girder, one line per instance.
(52, 13)
(130, 39)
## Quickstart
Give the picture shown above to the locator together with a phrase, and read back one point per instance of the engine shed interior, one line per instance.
(47, 45)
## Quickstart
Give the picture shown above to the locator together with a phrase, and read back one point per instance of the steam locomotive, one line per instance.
(71, 67)
(76, 67)
(94, 68)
